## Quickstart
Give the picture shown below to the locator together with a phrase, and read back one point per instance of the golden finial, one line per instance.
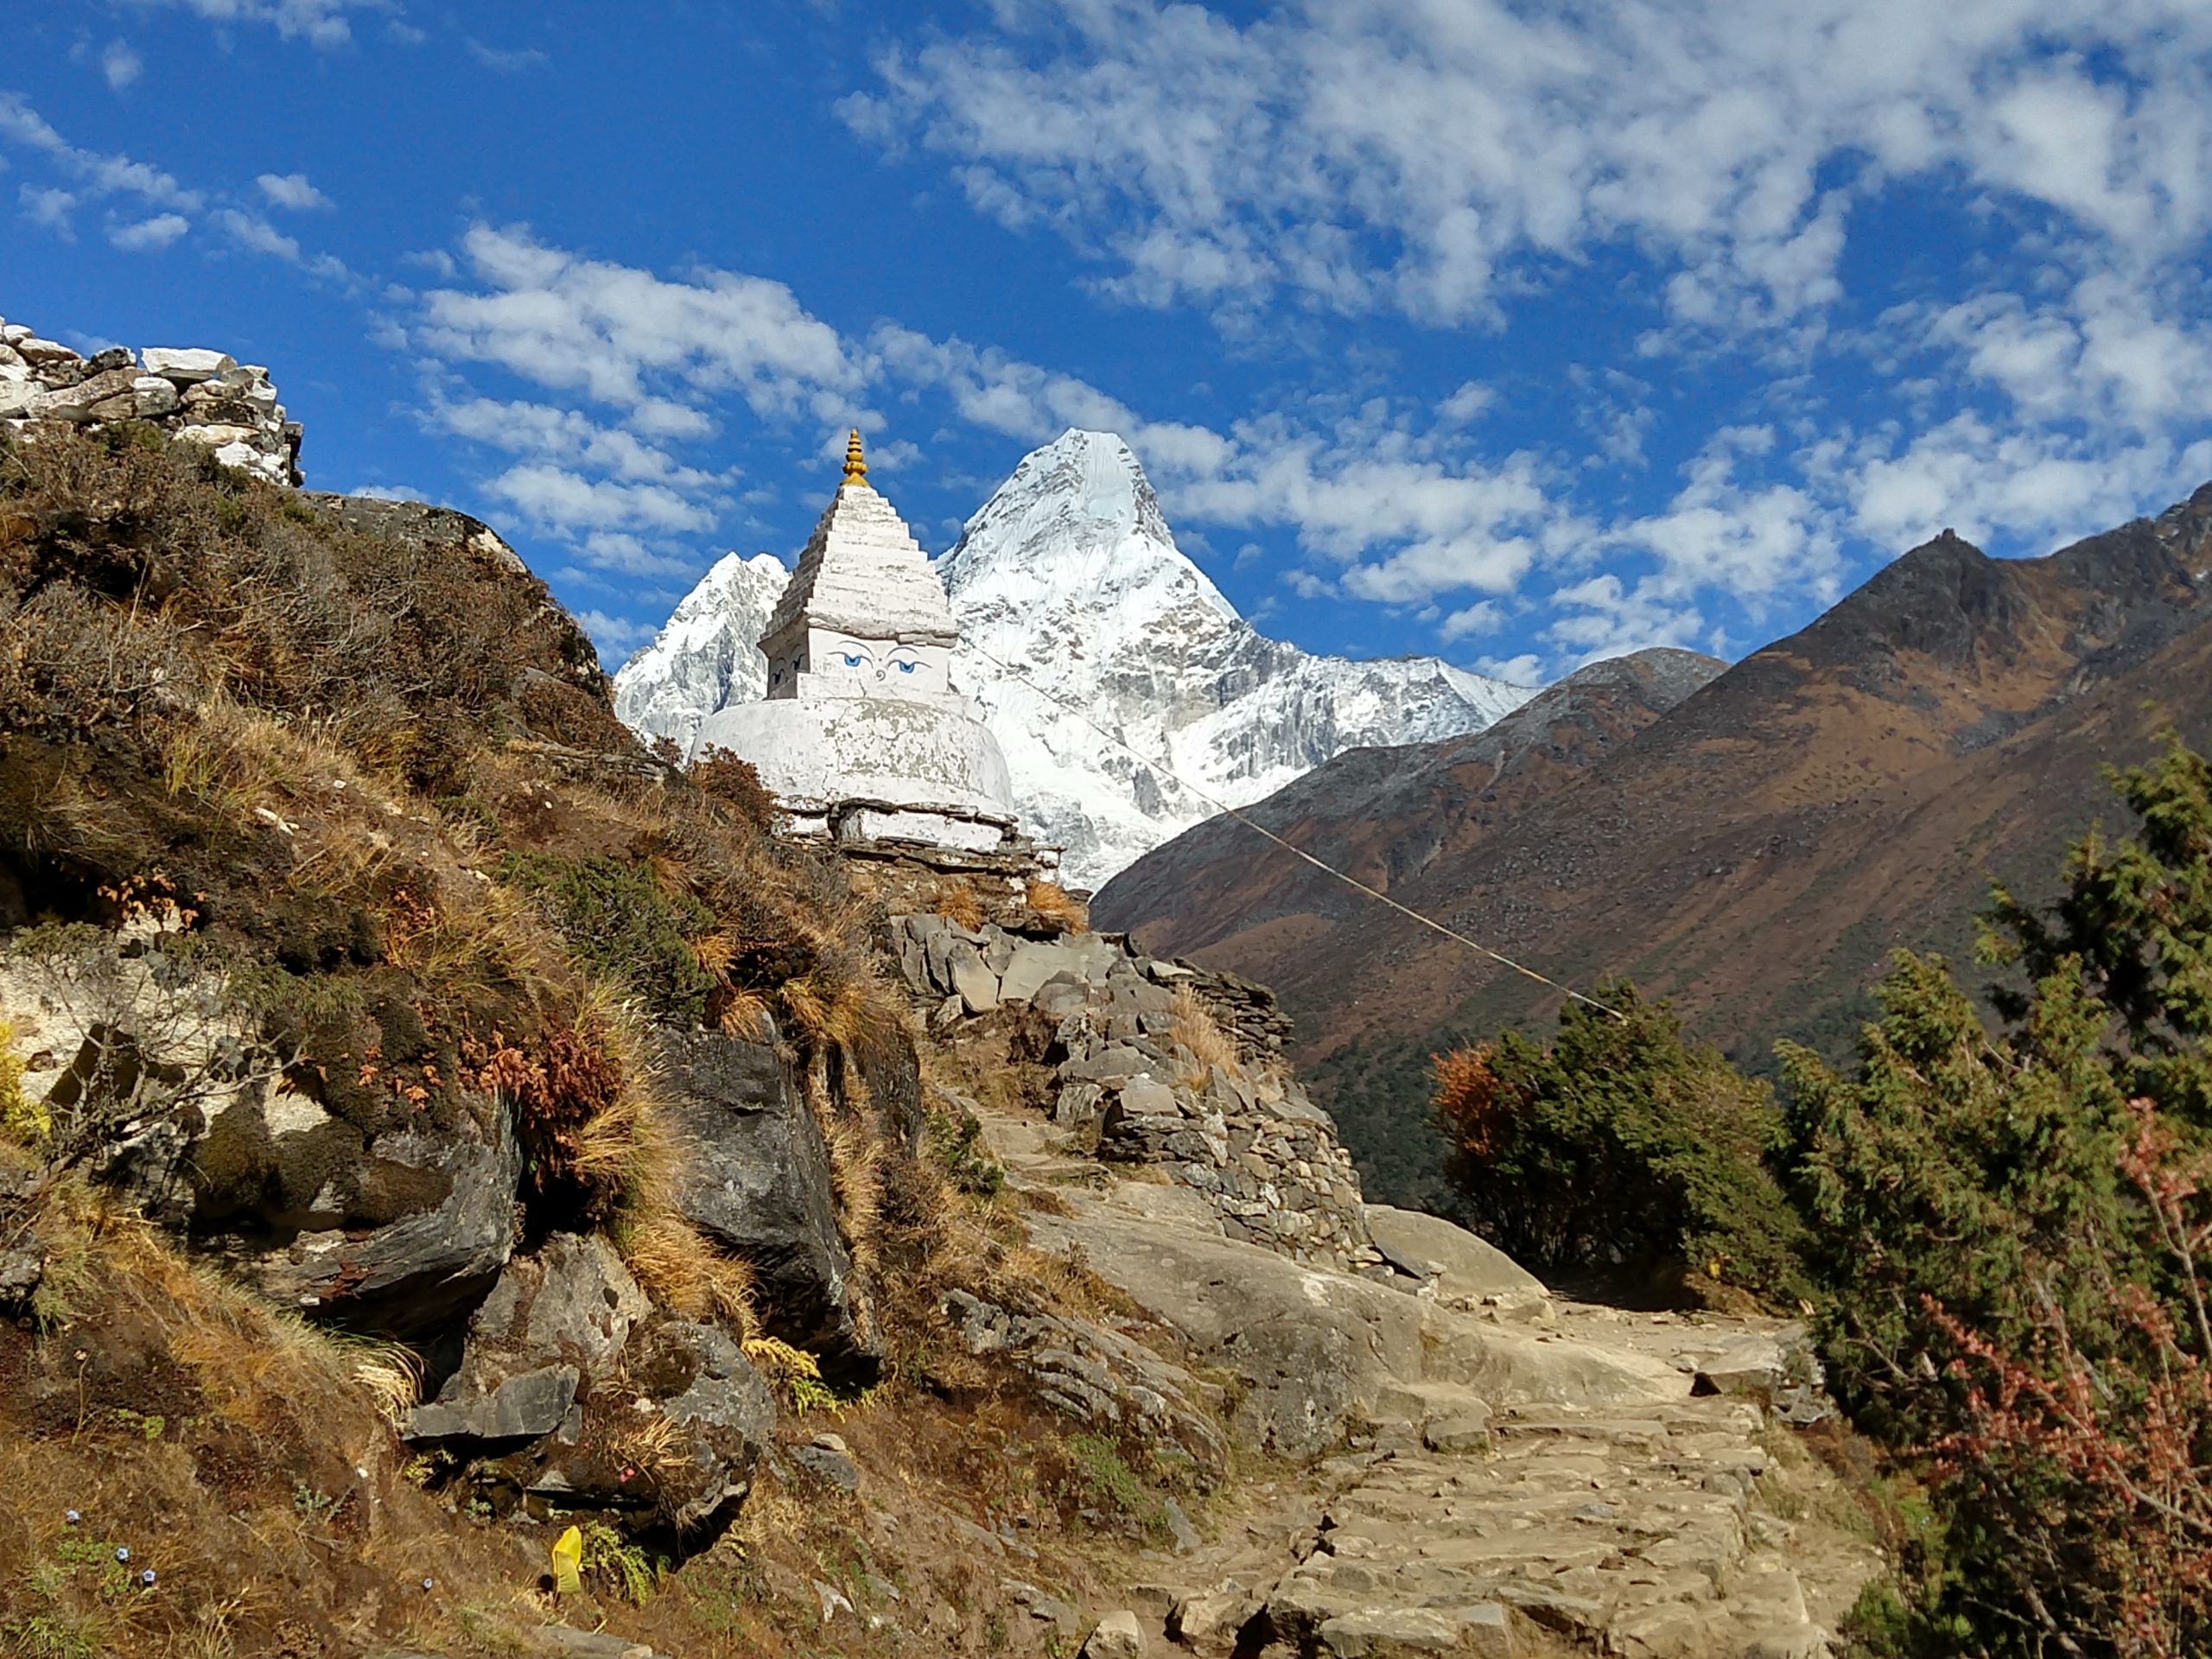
(855, 468)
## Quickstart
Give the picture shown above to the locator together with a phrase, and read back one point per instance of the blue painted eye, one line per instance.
(906, 668)
(852, 662)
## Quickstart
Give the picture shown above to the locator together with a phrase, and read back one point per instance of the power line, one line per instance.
(1258, 829)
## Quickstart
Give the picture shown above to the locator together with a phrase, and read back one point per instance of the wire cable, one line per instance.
(1352, 881)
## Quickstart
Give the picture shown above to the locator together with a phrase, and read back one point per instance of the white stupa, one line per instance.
(863, 736)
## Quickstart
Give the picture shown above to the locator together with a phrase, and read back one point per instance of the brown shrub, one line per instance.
(964, 906)
(733, 780)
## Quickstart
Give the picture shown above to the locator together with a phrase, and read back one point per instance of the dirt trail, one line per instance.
(1524, 1477)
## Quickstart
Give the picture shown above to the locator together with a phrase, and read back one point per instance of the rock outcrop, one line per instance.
(1124, 1031)
(192, 396)
(753, 1174)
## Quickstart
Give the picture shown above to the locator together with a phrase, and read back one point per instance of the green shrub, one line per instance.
(1621, 1145)
(617, 919)
(2011, 1228)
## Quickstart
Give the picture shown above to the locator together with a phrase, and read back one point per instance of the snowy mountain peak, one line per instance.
(709, 655)
(1079, 518)
(1078, 613)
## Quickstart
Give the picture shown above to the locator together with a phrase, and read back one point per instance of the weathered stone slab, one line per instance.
(185, 365)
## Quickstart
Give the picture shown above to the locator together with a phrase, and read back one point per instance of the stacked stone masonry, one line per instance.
(194, 397)
(1239, 1130)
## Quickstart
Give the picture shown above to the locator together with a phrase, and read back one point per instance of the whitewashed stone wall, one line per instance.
(193, 395)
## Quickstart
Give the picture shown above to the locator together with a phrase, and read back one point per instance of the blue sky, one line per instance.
(1518, 333)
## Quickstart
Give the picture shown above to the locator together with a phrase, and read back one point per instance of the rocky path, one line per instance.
(1466, 1464)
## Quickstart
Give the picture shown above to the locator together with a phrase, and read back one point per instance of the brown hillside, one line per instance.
(1759, 850)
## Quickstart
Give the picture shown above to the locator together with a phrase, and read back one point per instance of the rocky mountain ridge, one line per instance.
(1759, 850)
(1071, 595)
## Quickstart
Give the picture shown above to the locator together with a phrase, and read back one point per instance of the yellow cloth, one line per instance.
(568, 1562)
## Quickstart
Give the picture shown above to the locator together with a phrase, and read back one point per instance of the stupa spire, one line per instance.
(856, 466)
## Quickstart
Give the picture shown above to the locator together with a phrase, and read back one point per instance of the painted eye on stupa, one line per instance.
(851, 661)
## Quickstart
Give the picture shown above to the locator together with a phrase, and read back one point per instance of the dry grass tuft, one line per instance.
(964, 906)
(1056, 905)
(687, 1273)
(1197, 1030)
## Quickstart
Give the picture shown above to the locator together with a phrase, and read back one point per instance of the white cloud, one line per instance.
(567, 502)
(565, 434)
(292, 192)
(49, 208)
(97, 173)
(148, 235)
(258, 235)
(1527, 669)
(615, 636)
(628, 337)
(507, 60)
(2039, 486)
(323, 24)
(121, 64)
(1371, 153)
(1483, 616)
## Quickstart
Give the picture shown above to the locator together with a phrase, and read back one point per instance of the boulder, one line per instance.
(152, 395)
(1404, 1632)
(1117, 1636)
(971, 979)
(77, 402)
(186, 366)
(423, 1221)
(671, 1443)
(1472, 1270)
(828, 1466)
(1312, 1349)
(753, 1173)
(555, 1319)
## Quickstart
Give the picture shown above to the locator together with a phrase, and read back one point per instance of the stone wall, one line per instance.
(195, 397)
(1131, 1083)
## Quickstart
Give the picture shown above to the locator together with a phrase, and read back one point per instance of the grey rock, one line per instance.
(521, 1406)
(559, 1642)
(1463, 1431)
(1117, 1636)
(976, 986)
(553, 1319)
(1114, 1065)
(1473, 1268)
(151, 395)
(1399, 1632)
(414, 1274)
(752, 1172)
(832, 1468)
(1059, 997)
(22, 1266)
(1179, 1530)
(1146, 1096)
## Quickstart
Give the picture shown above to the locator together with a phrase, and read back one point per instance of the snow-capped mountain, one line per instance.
(1071, 577)
(1071, 595)
(709, 655)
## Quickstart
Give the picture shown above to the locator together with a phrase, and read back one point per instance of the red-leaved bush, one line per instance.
(2099, 1471)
